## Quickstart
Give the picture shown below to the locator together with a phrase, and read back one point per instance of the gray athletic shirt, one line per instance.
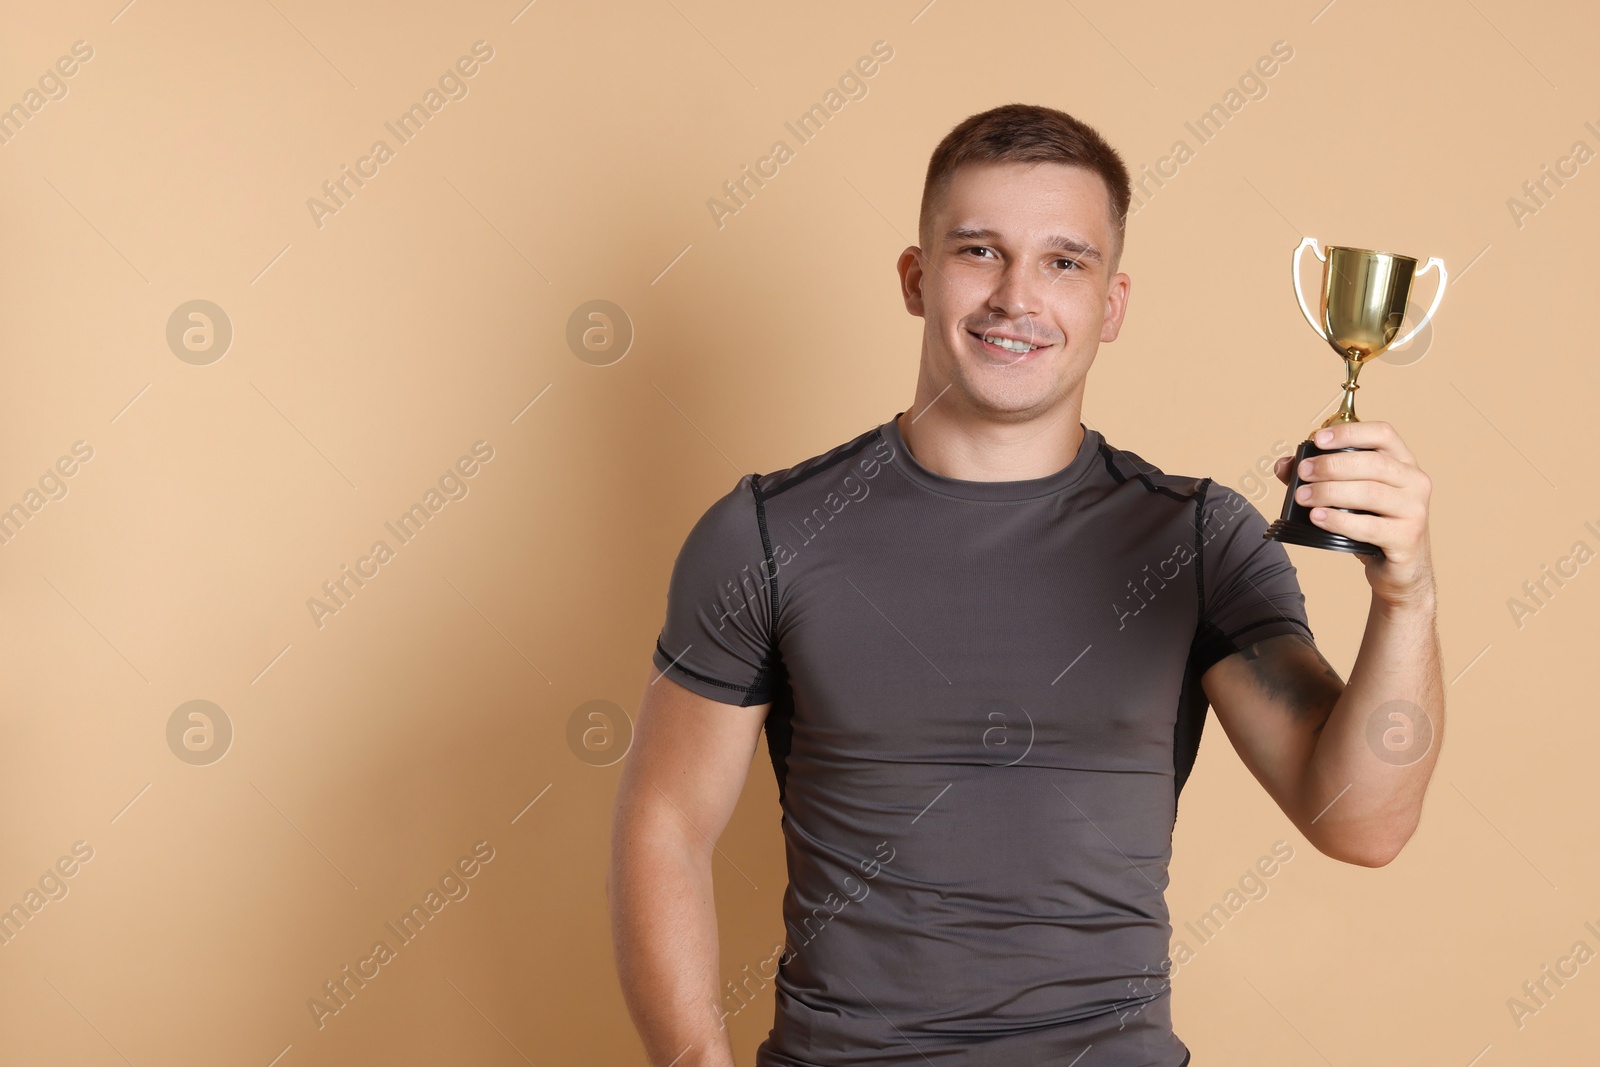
(985, 700)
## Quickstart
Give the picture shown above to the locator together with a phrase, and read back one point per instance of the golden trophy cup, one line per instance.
(1363, 301)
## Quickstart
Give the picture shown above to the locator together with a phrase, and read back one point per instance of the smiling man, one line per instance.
(982, 641)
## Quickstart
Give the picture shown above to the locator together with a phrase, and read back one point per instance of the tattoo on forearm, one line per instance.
(1280, 670)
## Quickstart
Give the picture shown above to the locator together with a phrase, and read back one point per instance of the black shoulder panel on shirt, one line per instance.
(1199, 540)
(779, 726)
(1192, 701)
(766, 551)
(1190, 720)
(1122, 465)
(782, 481)
(773, 680)
(1189, 725)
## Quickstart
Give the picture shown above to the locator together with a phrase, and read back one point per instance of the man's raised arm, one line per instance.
(678, 788)
(1349, 763)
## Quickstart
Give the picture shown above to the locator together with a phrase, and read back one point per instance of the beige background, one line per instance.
(371, 753)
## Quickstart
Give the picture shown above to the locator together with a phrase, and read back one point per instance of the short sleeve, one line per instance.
(716, 640)
(1249, 588)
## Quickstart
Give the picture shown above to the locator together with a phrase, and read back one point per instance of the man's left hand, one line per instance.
(1385, 481)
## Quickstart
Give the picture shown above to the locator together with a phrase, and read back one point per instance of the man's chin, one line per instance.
(1017, 404)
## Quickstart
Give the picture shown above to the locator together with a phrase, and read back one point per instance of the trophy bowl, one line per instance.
(1364, 297)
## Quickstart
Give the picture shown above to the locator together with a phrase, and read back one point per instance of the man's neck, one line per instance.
(983, 450)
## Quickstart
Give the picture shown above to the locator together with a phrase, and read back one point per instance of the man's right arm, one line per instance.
(679, 785)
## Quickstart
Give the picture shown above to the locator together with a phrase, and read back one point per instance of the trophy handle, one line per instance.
(1300, 295)
(1444, 279)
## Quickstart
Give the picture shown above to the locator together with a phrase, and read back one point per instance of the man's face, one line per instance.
(1019, 253)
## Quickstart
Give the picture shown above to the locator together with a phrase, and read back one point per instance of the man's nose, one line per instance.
(1018, 293)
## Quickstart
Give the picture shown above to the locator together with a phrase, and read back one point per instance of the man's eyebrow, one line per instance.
(1077, 246)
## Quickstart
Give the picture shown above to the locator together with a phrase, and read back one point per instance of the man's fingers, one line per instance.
(1376, 497)
(1378, 435)
(1375, 465)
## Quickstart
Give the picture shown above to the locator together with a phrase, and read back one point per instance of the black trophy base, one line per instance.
(1294, 525)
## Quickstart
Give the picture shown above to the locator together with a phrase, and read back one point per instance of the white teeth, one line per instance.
(1018, 347)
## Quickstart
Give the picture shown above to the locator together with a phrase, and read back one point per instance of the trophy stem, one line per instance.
(1347, 405)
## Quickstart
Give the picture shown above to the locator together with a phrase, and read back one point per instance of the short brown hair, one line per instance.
(1027, 133)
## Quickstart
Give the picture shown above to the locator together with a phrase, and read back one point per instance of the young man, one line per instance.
(982, 641)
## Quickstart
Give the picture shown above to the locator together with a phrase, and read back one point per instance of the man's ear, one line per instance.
(1116, 306)
(910, 268)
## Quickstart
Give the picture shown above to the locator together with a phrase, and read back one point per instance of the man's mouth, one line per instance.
(1005, 342)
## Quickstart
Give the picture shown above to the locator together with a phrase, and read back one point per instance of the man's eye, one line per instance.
(975, 248)
(1073, 263)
